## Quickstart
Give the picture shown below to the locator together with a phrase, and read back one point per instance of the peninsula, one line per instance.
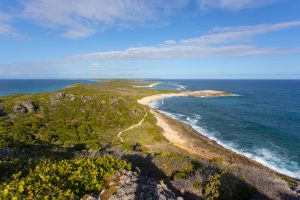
(103, 140)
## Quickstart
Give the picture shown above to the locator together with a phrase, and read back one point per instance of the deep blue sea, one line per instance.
(262, 122)
(8, 87)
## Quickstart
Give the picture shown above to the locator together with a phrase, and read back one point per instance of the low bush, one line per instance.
(66, 179)
(217, 160)
(179, 175)
(212, 187)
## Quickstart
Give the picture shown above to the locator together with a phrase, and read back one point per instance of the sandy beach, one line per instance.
(148, 86)
(201, 93)
(181, 135)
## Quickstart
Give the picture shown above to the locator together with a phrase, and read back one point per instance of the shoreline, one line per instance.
(147, 86)
(202, 93)
(185, 141)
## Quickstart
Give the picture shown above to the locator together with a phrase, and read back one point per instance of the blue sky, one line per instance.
(150, 39)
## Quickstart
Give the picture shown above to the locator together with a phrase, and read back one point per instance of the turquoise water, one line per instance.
(8, 87)
(262, 122)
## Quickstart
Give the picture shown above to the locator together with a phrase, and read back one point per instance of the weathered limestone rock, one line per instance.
(25, 107)
(19, 108)
(132, 186)
(54, 99)
(71, 97)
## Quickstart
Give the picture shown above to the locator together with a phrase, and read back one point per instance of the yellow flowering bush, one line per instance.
(66, 179)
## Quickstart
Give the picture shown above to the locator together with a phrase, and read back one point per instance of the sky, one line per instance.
(176, 39)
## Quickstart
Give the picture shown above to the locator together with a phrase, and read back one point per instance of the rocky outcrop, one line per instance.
(54, 99)
(132, 186)
(25, 107)
(128, 185)
(71, 97)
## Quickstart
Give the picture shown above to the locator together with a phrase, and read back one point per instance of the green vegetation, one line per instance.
(211, 189)
(66, 179)
(217, 160)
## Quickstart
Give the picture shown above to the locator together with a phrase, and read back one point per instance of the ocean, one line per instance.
(261, 122)
(8, 87)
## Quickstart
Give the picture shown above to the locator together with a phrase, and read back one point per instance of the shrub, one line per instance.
(212, 187)
(66, 179)
(197, 185)
(179, 175)
(217, 160)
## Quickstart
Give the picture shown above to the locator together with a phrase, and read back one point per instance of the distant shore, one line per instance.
(148, 86)
(203, 93)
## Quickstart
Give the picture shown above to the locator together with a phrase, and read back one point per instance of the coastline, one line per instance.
(195, 143)
(202, 93)
(147, 86)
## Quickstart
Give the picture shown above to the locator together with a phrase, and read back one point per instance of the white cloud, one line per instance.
(237, 34)
(170, 42)
(81, 18)
(222, 42)
(5, 27)
(232, 4)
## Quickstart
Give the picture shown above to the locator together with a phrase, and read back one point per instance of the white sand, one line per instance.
(202, 93)
(147, 86)
(170, 132)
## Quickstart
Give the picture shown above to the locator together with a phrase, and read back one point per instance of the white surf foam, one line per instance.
(264, 156)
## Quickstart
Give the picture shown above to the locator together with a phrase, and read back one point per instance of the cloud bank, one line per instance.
(234, 5)
(226, 41)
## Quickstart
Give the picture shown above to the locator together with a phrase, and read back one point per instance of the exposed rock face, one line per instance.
(25, 107)
(129, 185)
(31, 107)
(19, 108)
(71, 97)
(54, 99)
(133, 186)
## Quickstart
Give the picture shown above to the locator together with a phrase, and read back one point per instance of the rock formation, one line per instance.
(24, 107)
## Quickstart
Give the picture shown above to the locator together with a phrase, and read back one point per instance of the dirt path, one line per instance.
(133, 126)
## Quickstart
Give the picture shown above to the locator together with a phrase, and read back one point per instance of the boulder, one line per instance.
(31, 107)
(25, 107)
(20, 108)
